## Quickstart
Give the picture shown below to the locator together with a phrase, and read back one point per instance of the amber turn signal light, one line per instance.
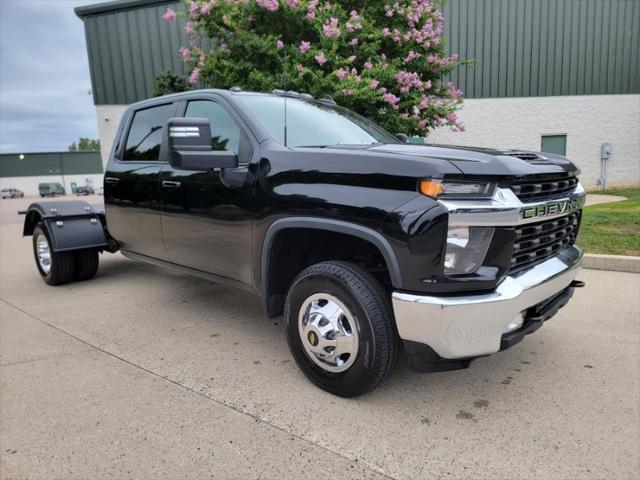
(431, 188)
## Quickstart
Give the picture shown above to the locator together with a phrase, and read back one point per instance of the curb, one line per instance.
(615, 263)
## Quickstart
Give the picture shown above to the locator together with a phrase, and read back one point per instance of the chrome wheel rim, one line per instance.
(44, 253)
(329, 332)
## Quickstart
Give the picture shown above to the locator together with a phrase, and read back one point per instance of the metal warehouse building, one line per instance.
(552, 75)
(25, 171)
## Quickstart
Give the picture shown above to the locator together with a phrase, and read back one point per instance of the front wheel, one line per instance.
(55, 268)
(340, 328)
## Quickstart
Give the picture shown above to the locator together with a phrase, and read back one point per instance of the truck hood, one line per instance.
(485, 161)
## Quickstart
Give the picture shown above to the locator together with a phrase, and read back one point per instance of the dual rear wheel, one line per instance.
(58, 268)
(338, 317)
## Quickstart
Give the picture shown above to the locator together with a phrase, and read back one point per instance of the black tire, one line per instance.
(86, 265)
(62, 264)
(368, 303)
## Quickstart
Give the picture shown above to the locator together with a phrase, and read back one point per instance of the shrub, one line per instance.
(168, 82)
(384, 60)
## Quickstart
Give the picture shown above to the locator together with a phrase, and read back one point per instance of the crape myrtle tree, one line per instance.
(385, 60)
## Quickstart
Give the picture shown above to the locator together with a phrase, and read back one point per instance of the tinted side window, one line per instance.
(145, 134)
(225, 135)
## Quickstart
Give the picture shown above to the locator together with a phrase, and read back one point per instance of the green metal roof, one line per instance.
(115, 6)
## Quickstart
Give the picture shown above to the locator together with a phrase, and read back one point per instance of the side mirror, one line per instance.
(190, 146)
(402, 137)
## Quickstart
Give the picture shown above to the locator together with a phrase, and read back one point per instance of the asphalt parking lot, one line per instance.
(144, 373)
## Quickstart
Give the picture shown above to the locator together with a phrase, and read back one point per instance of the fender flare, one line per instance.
(338, 226)
(71, 224)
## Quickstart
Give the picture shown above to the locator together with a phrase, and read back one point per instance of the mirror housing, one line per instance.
(190, 146)
(404, 138)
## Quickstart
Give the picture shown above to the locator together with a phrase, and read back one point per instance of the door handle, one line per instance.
(170, 184)
(111, 180)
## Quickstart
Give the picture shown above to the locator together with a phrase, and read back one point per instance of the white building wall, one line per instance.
(29, 185)
(588, 121)
(109, 117)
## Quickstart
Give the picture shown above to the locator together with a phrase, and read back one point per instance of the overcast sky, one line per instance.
(44, 76)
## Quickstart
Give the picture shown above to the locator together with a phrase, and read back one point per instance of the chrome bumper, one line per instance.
(473, 325)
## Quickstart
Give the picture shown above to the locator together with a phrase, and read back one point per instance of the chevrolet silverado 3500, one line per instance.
(364, 243)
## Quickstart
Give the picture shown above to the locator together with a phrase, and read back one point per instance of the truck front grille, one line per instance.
(542, 189)
(536, 242)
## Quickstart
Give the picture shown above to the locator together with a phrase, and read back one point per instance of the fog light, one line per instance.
(515, 324)
(466, 249)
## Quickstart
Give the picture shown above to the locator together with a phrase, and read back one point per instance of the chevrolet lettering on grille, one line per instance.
(553, 208)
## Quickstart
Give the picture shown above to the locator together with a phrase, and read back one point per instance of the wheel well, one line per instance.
(294, 249)
(30, 222)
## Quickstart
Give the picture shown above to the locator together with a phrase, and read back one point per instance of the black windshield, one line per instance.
(312, 124)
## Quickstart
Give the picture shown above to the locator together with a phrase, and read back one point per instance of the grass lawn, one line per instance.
(612, 228)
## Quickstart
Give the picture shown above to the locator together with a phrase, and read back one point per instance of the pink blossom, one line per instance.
(353, 14)
(194, 10)
(185, 53)
(374, 84)
(279, 44)
(304, 46)
(386, 32)
(293, 3)
(169, 16)
(411, 57)
(320, 58)
(452, 118)
(342, 73)
(424, 103)
(391, 99)
(201, 60)
(270, 5)
(330, 28)
(311, 15)
(224, 47)
(368, 65)
(188, 28)
(347, 91)
(354, 41)
(195, 75)
(206, 8)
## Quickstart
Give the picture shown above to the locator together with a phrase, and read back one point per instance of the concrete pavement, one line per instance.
(144, 373)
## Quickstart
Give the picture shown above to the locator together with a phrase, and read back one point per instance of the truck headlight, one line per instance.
(466, 249)
(450, 189)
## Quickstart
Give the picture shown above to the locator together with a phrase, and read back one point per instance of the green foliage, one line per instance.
(85, 145)
(168, 82)
(612, 228)
(385, 60)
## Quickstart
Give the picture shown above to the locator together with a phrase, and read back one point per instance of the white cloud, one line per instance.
(44, 76)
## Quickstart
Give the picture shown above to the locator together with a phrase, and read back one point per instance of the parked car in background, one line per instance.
(85, 190)
(50, 189)
(11, 193)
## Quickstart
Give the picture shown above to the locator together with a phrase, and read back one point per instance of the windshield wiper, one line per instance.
(342, 145)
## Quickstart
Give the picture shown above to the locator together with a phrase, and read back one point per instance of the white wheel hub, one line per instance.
(44, 253)
(329, 332)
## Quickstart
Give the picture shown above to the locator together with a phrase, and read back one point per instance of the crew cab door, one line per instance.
(131, 182)
(207, 215)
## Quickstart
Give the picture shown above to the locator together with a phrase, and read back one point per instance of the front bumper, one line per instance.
(468, 326)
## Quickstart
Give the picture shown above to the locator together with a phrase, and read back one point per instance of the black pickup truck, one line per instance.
(364, 243)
